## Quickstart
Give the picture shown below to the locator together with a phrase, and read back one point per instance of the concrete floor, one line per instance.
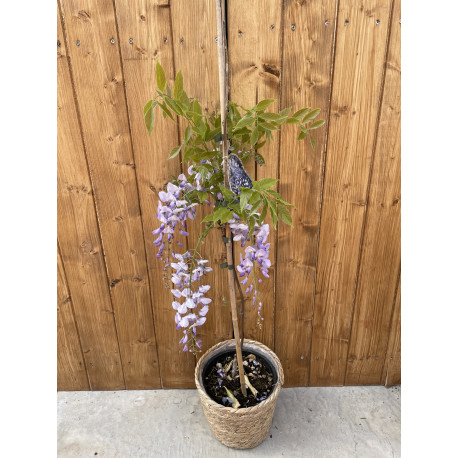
(333, 422)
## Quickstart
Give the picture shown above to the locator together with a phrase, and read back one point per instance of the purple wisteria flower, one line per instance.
(190, 304)
(257, 252)
(172, 211)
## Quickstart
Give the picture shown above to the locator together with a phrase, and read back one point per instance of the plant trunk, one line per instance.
(223, 95)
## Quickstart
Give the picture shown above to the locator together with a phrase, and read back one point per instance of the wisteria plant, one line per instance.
(243, 204)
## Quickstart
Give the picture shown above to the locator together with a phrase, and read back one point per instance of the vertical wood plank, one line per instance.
(381, 250)
(79, 240)
(71, 370)
(148, 25)
(306, 81)
(254, 42)
(99, 85)
(359, 63)
(392, 369)
(195, 54)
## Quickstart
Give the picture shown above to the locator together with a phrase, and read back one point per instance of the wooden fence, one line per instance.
(332, 303)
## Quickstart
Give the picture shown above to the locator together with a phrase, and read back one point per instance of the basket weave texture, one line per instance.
(245, 427)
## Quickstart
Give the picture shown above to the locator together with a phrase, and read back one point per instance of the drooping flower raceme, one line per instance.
(173, 210)
(190, 303)
(257, 252)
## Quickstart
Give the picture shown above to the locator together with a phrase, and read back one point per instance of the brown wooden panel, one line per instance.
(79, 241)
(99, 85)
(71, 370)
(148, 25)
(349, 296)
(254, 60)
(358, 71)
(392, 369)
(381, 250)
(306, 81)
(195, 54)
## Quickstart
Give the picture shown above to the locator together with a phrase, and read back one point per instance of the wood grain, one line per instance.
(392, 368)
(195, 54)
(358, 71)
(80, 244)
(148, 24)
(99, 85)
(306, 81)
(381, 249)
(71, 370)
(329, 307)
(254, 42)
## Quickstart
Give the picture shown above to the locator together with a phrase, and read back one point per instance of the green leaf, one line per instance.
(279, 198)
(188, 154)
(285, 112)
(258, 157)
(285, 215)
(202, 195)
(196, 107)
(302, 135)
(300, 112)
(208, 218)
(228, 195)
(293, 121)
(185, 100)
(244, 122)
(178, 88)
(311, 115)
(174, 152)
(244, 197)
(263, 104)
(273, 213)
(316, 124)
(166, 111)
(256, 205)
(174, 106)
(148, 115)
(160, 77)
(264, 210)
(255, 195)
(312, 141)
(270, 116)
(221, 213)
(213, 134)
(254, 136)
(251, 223)
(266, 183)
(268, 126)
(187, 134)
(196, 111)
(206, 135)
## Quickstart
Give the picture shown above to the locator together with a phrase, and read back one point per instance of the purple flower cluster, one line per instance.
(190, 304)
(191, 312)
(257, 252)
(173, 210)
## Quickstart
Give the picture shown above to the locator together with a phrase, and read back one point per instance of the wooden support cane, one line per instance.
(223, 95)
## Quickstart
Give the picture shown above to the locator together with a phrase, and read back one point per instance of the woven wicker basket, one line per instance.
(239, 428)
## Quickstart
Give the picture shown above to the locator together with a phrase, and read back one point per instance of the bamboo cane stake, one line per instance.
(223, 95)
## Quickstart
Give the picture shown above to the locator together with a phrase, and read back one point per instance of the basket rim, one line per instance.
(243, 410)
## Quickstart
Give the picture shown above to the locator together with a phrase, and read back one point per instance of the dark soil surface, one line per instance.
(219, 375)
